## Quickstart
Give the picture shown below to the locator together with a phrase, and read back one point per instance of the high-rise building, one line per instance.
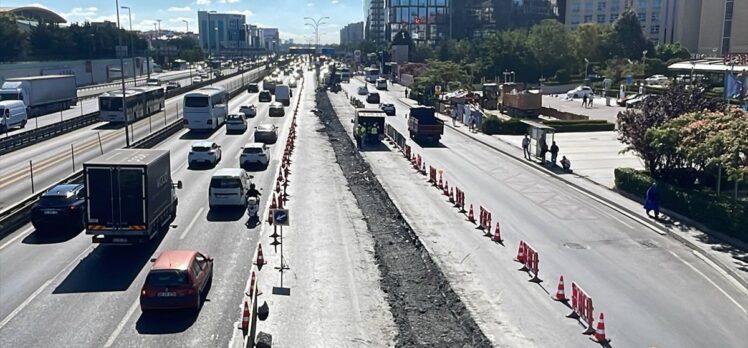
(352, 34)
(477, 18)
(426, 21)
(655, 16)
(221, 31)
(721, 29)
(376, 20)
(270, 38)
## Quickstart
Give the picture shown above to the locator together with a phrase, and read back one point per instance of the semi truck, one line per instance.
(130, 196)
(41, 94)
(518, 102)
(423, 125)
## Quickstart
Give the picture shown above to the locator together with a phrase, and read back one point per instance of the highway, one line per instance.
(65, 291)
(655, 292)
(52, 158)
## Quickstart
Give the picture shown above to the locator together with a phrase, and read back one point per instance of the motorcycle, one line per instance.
(253, 206)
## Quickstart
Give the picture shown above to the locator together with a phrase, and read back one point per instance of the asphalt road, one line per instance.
(65, 291)
(653, 290)
(52, 159)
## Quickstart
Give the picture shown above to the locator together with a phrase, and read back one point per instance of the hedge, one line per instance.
(494, 125)
(719, 213)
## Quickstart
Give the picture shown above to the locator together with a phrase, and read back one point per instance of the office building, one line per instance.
(723, 27)
(221, 31)
(426, 21)
(477, 18)
(270, 39)
(352, 34)
(376, 20)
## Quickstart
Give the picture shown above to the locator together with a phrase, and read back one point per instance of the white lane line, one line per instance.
(122, 323)
(710, 281)
(194, 219)
(22, 234)
(729, 277)
(40, 289)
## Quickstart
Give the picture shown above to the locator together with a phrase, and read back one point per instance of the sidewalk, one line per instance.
(730, 255)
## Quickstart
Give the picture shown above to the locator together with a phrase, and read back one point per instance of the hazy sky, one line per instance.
(286, 15)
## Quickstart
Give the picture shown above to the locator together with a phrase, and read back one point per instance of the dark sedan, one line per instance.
(63, 207)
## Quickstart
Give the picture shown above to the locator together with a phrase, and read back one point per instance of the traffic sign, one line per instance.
(280, 217)
(629, 79)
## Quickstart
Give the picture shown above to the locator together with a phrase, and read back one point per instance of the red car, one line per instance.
(177, 279)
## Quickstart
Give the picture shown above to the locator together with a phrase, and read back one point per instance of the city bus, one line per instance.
(180, 64)
(205, 108)
(140, 101)
(371, 74)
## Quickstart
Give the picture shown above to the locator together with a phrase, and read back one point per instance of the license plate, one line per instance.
(167, 294)
(50, 212)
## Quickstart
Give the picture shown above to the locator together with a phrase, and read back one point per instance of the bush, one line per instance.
(562, 76)
(567, 126)
(494, 125)
(718, 213)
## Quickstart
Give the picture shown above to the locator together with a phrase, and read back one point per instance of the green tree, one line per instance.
(441, 73)
(627, 39)
(672, 51)
(12, 40)
(549, 42)
(508, 51)
(590, 41)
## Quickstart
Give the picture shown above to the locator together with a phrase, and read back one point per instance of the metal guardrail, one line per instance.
(395, 136)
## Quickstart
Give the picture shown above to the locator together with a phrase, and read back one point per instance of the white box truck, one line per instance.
(41, 94)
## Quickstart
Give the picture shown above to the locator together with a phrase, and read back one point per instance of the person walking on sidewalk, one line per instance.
(554, 153)
(589, 101)
(453, 114)
(526, 147)
(652, 201)
(584, 101)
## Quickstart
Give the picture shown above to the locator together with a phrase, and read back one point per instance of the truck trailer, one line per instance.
(130, 196)
(516, 101)
(423, 125)
(42, 94)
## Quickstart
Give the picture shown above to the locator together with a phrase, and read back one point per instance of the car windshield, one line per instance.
(53, 200)
(252, 150)
(167, 278)
(234, 118)
(200, 148)
(265, 128)
(225, 182)
(196, 102)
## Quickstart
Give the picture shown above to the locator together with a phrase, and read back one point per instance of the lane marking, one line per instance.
(732, 279)
(710, 281)
(122, 323)
(194, 219)
(22, 234)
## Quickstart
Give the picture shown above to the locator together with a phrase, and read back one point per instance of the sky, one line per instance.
(286, 15)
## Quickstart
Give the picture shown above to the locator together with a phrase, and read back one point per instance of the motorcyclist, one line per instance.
(253, 191)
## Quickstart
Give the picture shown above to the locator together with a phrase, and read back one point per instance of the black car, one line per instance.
(265, 96)
(372, 98)
(62, 207)
(252, 88)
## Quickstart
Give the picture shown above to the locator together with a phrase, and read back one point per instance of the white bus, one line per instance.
(140, 101)
(206, 108)
(371, 74)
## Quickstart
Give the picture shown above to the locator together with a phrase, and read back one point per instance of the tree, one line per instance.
(550, 44)
(439, 73)
(672, 51)
(12, 40)
(617, 69)
(590, 41)
(627, 38)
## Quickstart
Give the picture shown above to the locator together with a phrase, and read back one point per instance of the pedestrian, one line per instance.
(526, 147)
(652, 201)
(543, 149)
(359, 136)
(406, 93)
(584, 101)
(472, 122)
(453, 114)
(554, 153)
(589, 101)
(566, 164)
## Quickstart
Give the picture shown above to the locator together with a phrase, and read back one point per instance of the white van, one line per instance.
(12, 114)
(283, 94)
(228, 187)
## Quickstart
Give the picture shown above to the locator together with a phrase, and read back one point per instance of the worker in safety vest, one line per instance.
(374, 133)
(360, 132)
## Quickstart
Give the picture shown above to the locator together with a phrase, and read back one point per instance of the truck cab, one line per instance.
(423, 125)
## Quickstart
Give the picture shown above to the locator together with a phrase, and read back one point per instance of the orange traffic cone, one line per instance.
(599, 335)
(446, 188)
(274, 202)
(251, 293)
(451, 196)
(521, 253)
(245, 317)
(497, 234)
(280, 200)
(260, 259)
(441, 184)
(471, 217)
(560, 295)
(423, 168)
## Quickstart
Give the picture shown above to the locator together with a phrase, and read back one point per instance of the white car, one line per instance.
(292, 83)
(248, 110)
(363, 90)
(657, 80)
(204, 152)
(579, 92)
(254, 154)
(236, 123)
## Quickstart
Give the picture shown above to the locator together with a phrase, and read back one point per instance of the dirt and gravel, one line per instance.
(427, 311)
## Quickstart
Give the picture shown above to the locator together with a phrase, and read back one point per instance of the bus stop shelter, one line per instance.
(539, 135)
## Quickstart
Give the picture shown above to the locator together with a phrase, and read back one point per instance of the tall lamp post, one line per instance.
(586, 69)
(315, 24)
(132, 45)
(122, 78)
(187, 24)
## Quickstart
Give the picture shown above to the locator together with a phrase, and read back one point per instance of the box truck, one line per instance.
(130, 196)
(41, 94)
(423, 125)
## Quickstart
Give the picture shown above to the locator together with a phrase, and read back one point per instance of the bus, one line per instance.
(206, 108)
(371, 74)
(140, 101)
(345, 75)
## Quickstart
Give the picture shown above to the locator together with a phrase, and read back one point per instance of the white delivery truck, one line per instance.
(42, 94)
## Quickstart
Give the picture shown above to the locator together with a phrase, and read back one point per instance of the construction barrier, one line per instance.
(581, 306)
(528, 256)
(460, 199)
(406, 151)
(432, 175)
(485, 219)
(397, 138)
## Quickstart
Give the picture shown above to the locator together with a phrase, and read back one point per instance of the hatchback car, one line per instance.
(266, 133)
(248, 110)
(254, 154)
(363, 90)
(276, 109)
(178, 279)
(372, 98)
(579, 92)
(236, 123)
(62, 207)
(265, 96)
(388, 109)
(253, 88)
(204, 152)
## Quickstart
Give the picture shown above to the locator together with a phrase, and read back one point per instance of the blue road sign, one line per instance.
(629, 79)
(280, 217)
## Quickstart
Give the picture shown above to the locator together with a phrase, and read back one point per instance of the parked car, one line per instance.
(636, 102)
(197, 79)
(62, 206)
(363, 90)
(622, 101)
(292, 83)
(373, 98)
(204, 152)
(657, 80)
(388, 109)
(265, 96)
(266, 133)
(236, 123)
(172, 86)
(276, 109)
(248, 110)
(579, 92)
(177, 279)
(253, 88)
(254, 154)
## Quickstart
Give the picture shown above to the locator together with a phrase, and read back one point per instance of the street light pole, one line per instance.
(122, 78)
(186, 23)
(586, 69)
(316, 24)
(132, 46)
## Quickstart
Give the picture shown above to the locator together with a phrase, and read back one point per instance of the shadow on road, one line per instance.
(226, 213)
(109, 268)
(51, 237)
(110, 126)
(166, 322)
(198, 135)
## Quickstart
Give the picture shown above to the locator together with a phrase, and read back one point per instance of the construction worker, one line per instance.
(364, 134)
(359, 135)
(374, 133)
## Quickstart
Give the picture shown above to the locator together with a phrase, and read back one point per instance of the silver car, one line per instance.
(266, 133)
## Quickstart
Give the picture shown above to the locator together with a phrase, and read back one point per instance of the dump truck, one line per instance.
(130, 196)
(369, 117)
(423, 125)
(41, 94)
(516, 101)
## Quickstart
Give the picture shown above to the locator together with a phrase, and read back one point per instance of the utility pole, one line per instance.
(132, 46)
(122, 73)
(187, 30)
(315, 24)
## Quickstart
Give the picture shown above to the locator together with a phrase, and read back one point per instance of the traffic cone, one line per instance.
(245, 317)
(440, 185)
(277, 187)
(280, 200)
(497, 234)
(520, 253)
(446, 188)
(274, 202)
(260, 259)
(270, 217)
(560, 296)
(471, 217)
(451, 196)
(599, 335)
(253, 278)
(423, 168)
